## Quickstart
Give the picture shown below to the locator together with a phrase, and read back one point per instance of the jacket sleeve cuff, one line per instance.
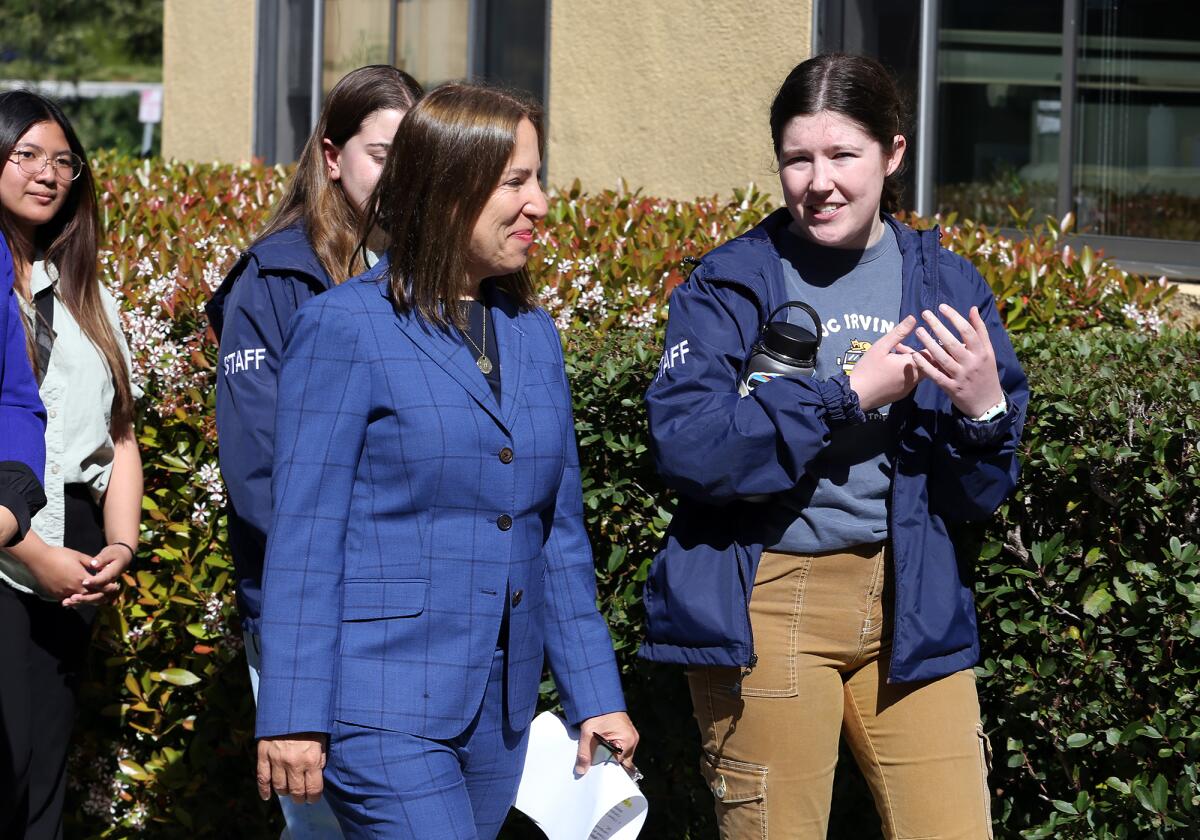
(841, 403)
(988, 434)
(22, 494)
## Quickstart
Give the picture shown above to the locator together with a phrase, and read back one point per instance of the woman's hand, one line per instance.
(615, 727)
(882, 376)
(107, 566)
(963, 366)
(291, 765)
(61, 572)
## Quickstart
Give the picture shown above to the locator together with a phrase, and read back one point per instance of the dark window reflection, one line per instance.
(512, 45)
(999, 111)
(1137, 162)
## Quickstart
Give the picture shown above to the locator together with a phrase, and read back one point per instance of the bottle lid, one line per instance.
(791, 341)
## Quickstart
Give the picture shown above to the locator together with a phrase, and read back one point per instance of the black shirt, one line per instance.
(476, 313)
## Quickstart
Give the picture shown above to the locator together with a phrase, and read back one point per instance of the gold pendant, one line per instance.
(484, 364)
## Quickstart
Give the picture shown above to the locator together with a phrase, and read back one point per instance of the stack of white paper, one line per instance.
(602, 804)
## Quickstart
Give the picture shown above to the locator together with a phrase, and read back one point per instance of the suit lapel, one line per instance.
(445, 349)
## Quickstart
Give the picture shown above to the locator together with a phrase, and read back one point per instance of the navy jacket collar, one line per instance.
(752, 262)
(286, 252)
(290, 251)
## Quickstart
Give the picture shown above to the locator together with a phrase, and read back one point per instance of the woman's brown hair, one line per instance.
(330, 218)
(856, 87)
(446, 162)
(69, 242)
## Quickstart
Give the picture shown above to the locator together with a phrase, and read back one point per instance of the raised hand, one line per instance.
(882, 376)
(964, 366)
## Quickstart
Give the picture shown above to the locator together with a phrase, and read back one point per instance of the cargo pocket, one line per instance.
(776, 607)
(740, 793)
(985, 767)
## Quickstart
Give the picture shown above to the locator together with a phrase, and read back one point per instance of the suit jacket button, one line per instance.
(506, 455)
(504, 522)
(517, 596)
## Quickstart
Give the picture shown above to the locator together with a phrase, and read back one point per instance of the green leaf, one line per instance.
(1098, 603)
(1078, 739)
(179, 676)
(1124, 592)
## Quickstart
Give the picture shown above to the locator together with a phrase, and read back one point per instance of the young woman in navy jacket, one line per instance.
(310, 245)
(838, 602)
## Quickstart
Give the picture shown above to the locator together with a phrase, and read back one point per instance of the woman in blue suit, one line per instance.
(427, 545)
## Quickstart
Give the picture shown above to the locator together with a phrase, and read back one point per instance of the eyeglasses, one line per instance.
(67, 167)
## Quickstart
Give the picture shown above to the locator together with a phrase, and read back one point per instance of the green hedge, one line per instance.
(1089, 594)
(165, 737)
(1088, 586)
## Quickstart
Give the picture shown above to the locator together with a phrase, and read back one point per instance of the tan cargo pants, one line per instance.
(822, 633)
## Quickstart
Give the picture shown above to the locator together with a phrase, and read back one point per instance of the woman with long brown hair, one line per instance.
(428, 547)
(85, 538)
(312, 243)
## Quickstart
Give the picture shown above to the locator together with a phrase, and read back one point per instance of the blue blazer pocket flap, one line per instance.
(367, 600)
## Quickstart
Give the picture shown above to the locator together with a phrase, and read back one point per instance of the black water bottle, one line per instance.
(782, 349)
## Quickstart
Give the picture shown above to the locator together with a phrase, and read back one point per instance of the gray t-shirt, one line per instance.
(843, 500)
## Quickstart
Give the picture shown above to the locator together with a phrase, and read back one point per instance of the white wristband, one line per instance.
(996, 411)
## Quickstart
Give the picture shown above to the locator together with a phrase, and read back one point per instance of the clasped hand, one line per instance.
(75, 579)
(963, 366)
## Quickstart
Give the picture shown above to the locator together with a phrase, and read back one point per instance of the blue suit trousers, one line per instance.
(382, 783)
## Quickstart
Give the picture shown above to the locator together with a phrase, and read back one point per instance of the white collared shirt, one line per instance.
(78, 392)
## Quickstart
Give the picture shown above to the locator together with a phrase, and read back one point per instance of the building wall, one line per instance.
(208, 79)
(672, 96)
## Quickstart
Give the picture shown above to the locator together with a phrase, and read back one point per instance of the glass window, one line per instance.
(432, 39)
(284, 83)
(511, 50)
(998, 109)
(502, 41)
(356, 34)
(1137, 157)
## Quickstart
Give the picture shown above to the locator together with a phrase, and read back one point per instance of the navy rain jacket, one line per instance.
(716, 448)
(250, 314)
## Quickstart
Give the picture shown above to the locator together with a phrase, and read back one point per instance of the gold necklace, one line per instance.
(483, 362)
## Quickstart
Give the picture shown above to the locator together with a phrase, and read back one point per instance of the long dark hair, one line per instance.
(70, 242)
(856, 87)
(330, 218)
(445, 163)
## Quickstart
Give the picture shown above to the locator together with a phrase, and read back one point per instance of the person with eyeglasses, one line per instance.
(78, 546)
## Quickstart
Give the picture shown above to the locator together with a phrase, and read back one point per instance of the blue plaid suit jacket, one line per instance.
(403, 532)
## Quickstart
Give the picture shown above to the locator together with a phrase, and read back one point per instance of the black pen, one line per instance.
(609, 745)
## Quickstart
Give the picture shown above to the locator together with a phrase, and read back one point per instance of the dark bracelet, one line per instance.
(127, 547)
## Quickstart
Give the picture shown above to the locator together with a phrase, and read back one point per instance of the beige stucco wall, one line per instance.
(672, 95)
(208, 79)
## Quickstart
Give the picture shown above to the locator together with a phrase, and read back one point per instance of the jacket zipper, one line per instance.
(928, 255)
(736, 688)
